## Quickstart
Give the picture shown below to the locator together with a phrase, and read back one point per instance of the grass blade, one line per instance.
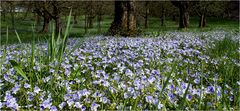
(18, 37)
(184, 97)
(19, 70)
(33, 46)
(65, 37)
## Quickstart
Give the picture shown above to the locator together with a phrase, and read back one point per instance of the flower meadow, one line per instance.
(176, 70)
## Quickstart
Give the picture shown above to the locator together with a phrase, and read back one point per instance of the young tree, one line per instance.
(124, 19)
(146, 14)
(183, 7)
(208, 8)
(100, 12)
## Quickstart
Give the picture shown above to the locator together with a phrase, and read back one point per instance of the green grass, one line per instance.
(23, 27)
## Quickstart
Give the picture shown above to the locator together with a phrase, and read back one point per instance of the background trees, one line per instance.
(51, 10)
(210, 8)
(126, 20)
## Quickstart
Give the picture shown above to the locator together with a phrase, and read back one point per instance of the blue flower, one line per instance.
(11, 101)
(103, 100)
(189, 97)
(96, 94)
(78, 105)
(46, 104)
(62, 105)
(70, 102)
(53, 108)
(37, 89)
(94, 106)
(171, 86)
(160, 106)
(26, 85)
(30, 96)
(129, 72)
(183, 86)
(16, 88)
(171, 96)
(149, 99)
(196, 81)
(231, 98)
(151, 79)
(125, 95)
(210, 89)
(83, 108)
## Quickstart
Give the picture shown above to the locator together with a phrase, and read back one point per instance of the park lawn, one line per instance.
(24, 27)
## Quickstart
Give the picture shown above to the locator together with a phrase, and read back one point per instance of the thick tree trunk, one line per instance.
(45, 24)
(184, 18)
(124, 19)
(202, 21)
(146, 14)
(184, 15)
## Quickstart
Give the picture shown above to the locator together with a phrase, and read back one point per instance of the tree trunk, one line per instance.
(99, 22)
(57, 18)
(174, 18)
(146, 14)
(184, 18)
(37, 21)
(90, 16)
(163, 16)
(75, 19)
(46, 21)
(12, 16)
(124, 19)
(85, 23)
(202, 21)
(58, 28)
(4, 15)
(90, 21)
(183, 9)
